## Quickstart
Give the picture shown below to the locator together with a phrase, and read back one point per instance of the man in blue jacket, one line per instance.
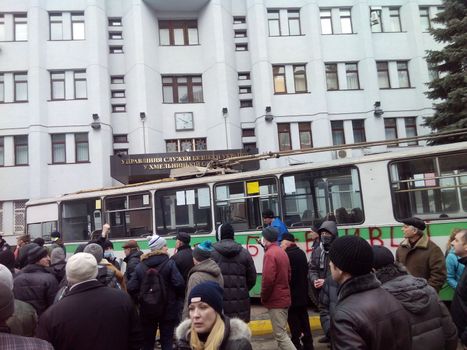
(269, 219)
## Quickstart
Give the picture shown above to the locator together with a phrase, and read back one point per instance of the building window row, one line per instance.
(284, 22)
(66, 26)
(13, 87)
(68, 85)
(117, 91)
(13, 27)
(348, 72)
(393, 74)
(186, 145)
(400, 127)
(289, 78)
(115, 33)
(178, 33)
(336, 21)
(14, 150)
(182, 89)
(427, 14)
(60, 149)
(284, 133)
(385, 19)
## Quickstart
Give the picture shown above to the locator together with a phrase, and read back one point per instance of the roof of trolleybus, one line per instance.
(170, 183)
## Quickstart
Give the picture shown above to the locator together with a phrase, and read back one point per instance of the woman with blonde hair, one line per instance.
(208, 328)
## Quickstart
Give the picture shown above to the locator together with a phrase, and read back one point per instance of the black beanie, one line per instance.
(226, 231)
(270, 233)
(210, 293)
(382, 256)
(352, 254)
(184, 237)
(36, 253)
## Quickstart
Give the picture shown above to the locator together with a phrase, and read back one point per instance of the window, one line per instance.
(80, 84)
(241, 203)
(337, 130)
(248, 132)
(121, 152)
(278, 75)
(403, 74)
(115, 35)
(58, 148)
(383, 75)
(21, 87)
(246, 103)
(332, 81)
(19, 210)
(117, 79)
(394, 19)
(358, 127)
(115, 49)
(178, 33)
(183, 209)
(244, 89)
(299, 73)
(425, 21)
(56, 26)
(21, 150)
(433, 73)
(81, 148)
(182, 89)
(274, 23)
(57, 82)
(285, 142)
(430, 188)
(294, 22)
(2, 151)
(243, 75)
(304, 130)
(376, 20)
(115, 22)
(2, 28)
(21, 27)
(241, 47)
(118, 108)
(120, 138)
(2, 88)
(181, 145)
(118, 93)
(346, 21)
(411, 129)
(77, 26)
(239, 20)
(390, 129)
(326, 21)
(309, 197)
(240, 33)
(249, 146)
(351, 73)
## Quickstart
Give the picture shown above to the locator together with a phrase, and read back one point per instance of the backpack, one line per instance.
(107, 277)
(153, 293)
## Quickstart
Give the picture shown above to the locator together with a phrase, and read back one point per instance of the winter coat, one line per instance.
(454, 269)
(368, 317)
(432, 326)
(15, 342)
(299, 274)
(173, 278)
(24, 319)
(131, 261)
(184, 260)
(22, 257)
(275, 290)
(327, 303)
(239, 272)
(281, 228)
(459, 305)
(92, 316)
(425, 259)
(206, 270)
(118, 273)
(37, 286)
(58, 270)
(237, 335)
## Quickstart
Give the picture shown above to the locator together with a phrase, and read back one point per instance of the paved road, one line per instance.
(268, 342)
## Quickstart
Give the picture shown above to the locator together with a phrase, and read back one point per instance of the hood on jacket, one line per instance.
(208, 266)
(154, 258)
(329, 226)
(238, 329)
(413, 293)
(228, 248)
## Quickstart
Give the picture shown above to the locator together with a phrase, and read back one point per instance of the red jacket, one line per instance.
(275, 290)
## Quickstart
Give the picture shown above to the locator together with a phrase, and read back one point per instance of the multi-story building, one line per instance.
(86, 79)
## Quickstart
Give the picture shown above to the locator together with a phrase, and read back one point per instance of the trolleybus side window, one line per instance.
(129, 216)
(42, 229)
(431, 187)
(309, 198)
(77, 219)
(183, 209)
(241, 203)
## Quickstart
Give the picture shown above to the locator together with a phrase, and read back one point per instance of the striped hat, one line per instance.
(156, 242)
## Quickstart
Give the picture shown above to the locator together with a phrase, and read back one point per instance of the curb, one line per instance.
(264, 327)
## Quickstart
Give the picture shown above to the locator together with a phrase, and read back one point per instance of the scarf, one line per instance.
(215, 337)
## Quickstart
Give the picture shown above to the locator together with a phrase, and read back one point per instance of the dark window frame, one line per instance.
(118, 108)
(383, 66)
(337, 129)
(248, 132)
(246, 103)
(77, 142)
(55, 142)
(116, 49)
(115, 35)
(406, 70)
(295, 74)
(321, 17)
(239, 19)
(189, 85)
(352, 71)
(305, 127)
(115, 22)
(19, 143)
(54, 80)
(244, 76)
(114, 78)
(289, 18)
(391, 16)
(273, 20)
(172, 25)
(22, 81)
(284, 129)
(55, 21)
(358, 127)
(393, 127)
(329, 72)
(275, 73)
(120, 138)
(17, 19)
(76, 21)
(114, 93)
(78, 79)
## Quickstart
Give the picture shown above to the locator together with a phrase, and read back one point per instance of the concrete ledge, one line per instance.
(264, 327)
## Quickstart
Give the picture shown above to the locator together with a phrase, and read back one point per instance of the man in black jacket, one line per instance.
(184, 256)
(297, 317)
(238, 271)
(90, 315)
(459, 302)
(366, 316)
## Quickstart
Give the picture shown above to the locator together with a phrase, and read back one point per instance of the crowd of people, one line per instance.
(198, 298)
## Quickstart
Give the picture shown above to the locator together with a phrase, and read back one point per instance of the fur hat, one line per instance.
(95, 250)
(156, 242)
(382, 256)
(415, 222)
(36, 253)
(270, 234)
(81, 267)
(202, 251)
(7, 302)
(352, 254)
(184, 237)
(57, 255)
(225, 231)
(6, 277)
(210, 293)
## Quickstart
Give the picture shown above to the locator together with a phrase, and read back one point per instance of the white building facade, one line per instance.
(86, 79)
